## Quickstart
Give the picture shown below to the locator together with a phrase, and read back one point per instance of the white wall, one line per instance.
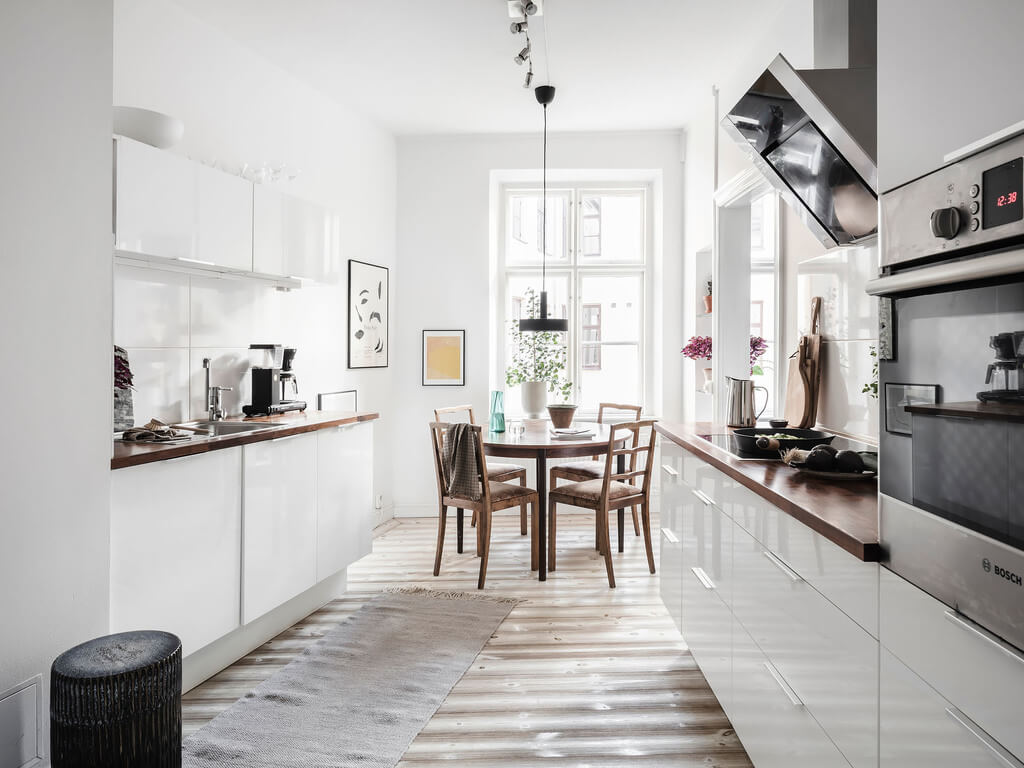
(947, 76)
(239, 108)
(55, 245)
(444, 240)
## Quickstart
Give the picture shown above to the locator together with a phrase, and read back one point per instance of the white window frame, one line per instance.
(576, 270)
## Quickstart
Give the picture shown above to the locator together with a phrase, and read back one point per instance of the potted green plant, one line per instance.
(538, 362)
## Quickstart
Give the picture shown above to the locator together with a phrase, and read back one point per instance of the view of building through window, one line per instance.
(596, 277)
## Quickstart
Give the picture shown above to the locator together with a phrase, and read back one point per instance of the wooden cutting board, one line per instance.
(812, 369)
(798, 388)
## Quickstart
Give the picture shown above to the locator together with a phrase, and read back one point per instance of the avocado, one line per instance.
(820, 460)
(849, 461)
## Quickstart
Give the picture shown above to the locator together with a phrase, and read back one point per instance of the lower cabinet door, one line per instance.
(175, 547)
(707, 621)
(279, 531)
(344, 523)
(830, 661)
(671, 517)
(775, 727)
(920, 729)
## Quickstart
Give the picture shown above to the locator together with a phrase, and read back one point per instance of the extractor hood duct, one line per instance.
(813, 134)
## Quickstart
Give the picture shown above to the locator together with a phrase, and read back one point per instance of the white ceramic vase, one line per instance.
(535, 398)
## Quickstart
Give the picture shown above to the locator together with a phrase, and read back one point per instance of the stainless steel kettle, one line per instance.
(740, 402)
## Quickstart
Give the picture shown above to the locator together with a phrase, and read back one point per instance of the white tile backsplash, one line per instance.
(234, 313)
(151, 308)
(161, 384)
(842, 406)
(840, 277)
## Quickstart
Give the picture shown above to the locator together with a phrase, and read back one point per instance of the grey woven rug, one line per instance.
(362, 693)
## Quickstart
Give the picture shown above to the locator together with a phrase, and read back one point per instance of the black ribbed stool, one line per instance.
(115, 702)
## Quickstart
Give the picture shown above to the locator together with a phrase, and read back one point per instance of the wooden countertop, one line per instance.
(846, 513)
(282, 425)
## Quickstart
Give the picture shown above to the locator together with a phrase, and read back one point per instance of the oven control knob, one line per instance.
(946, 222)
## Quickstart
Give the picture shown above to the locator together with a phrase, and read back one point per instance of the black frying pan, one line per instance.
(752, 440)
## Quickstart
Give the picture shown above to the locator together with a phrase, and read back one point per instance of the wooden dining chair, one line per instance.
(502, 473)
(614, 490)
(494, 496)
(593, 468)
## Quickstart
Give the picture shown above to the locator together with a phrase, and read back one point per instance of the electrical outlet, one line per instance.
(378, 502)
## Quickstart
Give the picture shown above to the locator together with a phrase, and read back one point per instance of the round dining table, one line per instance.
(538, 444)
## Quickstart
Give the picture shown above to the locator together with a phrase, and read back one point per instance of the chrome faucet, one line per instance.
(214, 410)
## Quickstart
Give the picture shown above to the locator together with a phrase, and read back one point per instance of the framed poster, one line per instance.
(444, 358)
(898, 397)
(367, 315)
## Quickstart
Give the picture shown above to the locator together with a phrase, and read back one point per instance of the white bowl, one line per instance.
(153, 128)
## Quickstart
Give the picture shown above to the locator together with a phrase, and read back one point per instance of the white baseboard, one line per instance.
(222, 653)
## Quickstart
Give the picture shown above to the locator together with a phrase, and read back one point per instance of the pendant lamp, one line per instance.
(545, 95)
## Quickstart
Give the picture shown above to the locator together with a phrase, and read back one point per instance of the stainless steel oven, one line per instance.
(951, 384)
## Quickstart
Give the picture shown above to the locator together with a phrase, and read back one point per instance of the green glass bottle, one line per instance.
(497, 411)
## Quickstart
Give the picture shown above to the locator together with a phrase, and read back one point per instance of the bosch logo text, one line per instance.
(998, 570)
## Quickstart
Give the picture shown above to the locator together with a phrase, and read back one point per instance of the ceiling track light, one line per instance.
(529, 7)
(529, 77)
(519, 27)
(523, 55)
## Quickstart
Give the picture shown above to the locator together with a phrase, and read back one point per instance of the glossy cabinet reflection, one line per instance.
(175, 547)
(762, 611)
(279, 533)
(672, 493)
(344, 521)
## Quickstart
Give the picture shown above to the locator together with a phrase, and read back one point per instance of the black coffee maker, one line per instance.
(271, 376)
(1006, 372)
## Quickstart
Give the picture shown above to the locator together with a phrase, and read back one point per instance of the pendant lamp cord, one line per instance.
(544, 207)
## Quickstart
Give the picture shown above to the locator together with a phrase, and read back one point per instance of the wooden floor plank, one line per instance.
(577, 675)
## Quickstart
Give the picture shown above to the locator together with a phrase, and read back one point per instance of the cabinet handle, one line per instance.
(670, 471)
(703, 578)
(781, 682)
(984, 634)
(669, 535)
(286, 437)
(981, 735)
(703, 497)
(774, 559)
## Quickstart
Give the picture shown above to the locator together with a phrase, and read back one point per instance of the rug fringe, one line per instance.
(451, 595)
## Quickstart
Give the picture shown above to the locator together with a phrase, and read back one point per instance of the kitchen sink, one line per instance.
(221, 428)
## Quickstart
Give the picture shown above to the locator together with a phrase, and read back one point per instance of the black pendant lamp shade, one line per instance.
(545, 95)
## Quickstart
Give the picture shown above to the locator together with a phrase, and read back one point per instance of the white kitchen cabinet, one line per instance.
(156, 197)
(225, 219)
(175, 547)
(776, 729)
(978, 673)
(920, 729)
(279, 531)
(268, 230)
(828, 659)
(345, 510)
(311, 235)
(707, 573)
(671, 560)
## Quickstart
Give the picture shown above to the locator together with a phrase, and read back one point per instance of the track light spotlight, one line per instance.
(523, 55)
(529, 78)
(518, 27)
(529, 7)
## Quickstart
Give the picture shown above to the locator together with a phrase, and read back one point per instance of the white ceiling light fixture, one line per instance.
(524, 55)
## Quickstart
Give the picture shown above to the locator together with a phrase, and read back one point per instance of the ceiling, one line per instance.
(422, 67)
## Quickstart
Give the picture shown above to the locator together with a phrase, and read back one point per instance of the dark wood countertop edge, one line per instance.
(869, 551)
(196, 447)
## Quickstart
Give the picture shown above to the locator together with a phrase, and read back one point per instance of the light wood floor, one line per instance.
(577, 675)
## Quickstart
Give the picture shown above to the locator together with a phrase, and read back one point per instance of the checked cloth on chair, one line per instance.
(459, 460)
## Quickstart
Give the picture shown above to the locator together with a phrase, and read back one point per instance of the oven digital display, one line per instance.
(1003, 194)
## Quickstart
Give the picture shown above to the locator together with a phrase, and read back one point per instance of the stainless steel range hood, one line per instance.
(812, 133)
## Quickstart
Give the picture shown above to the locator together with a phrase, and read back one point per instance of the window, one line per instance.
(763, 290)
(597, 241)
(591, 337)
